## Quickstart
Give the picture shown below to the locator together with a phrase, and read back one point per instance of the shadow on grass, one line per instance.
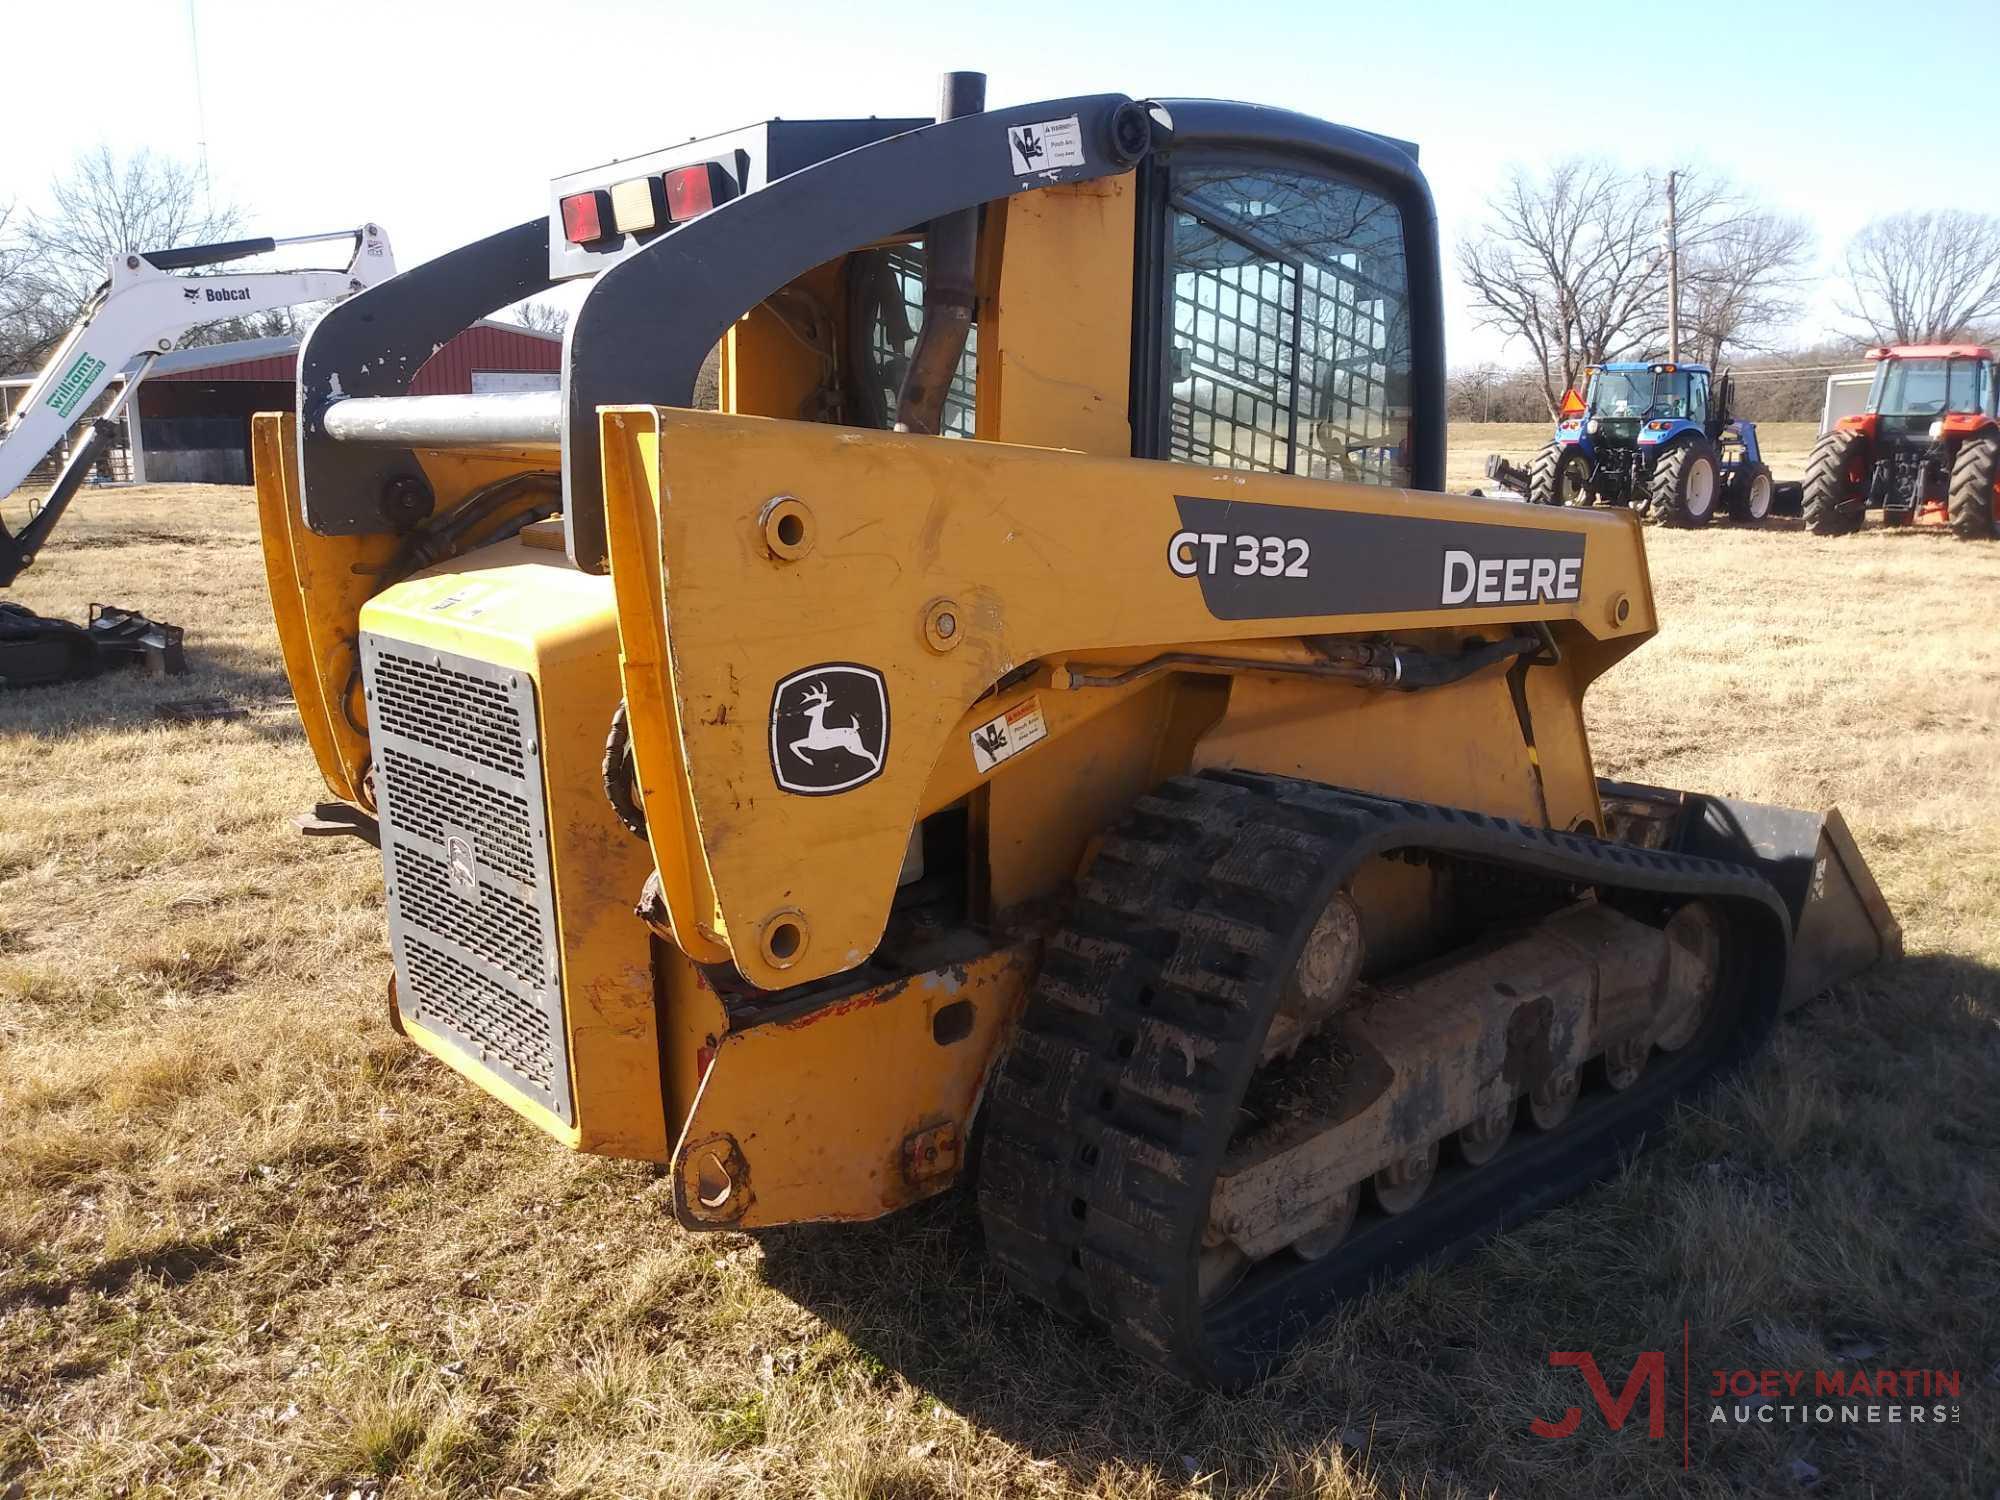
(172, 1263)
(916, 1294)
(128, 697)
(1432, 1376)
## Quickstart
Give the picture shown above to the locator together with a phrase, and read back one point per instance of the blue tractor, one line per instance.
(1658, 438)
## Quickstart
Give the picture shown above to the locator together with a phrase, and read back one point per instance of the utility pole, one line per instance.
(1673, 277)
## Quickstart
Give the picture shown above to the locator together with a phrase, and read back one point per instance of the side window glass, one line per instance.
(1698, 399)
(1963, 393)
(1289, 343)
(885, 309)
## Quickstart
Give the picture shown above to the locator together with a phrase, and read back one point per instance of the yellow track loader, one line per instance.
(971, 678)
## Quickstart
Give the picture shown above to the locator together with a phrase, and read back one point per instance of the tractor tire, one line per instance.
(1558, 476)
(1686, 485)
(1750, 497)
(1975, 485)
(1831, 506)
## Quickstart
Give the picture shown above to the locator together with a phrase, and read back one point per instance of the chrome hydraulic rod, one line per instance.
(518, 419)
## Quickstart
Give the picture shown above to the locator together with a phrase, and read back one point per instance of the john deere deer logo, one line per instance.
(829, 728)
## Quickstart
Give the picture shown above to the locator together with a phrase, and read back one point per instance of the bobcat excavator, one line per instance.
(132, 318)
(972, 678)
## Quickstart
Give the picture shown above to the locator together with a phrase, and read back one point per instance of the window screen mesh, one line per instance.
(1291, 342)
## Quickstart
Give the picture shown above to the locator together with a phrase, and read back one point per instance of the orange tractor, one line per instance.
(1925, 451)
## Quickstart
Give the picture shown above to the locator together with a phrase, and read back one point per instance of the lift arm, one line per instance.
(139, 312)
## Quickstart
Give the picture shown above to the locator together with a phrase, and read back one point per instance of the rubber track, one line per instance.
(1109, 1117)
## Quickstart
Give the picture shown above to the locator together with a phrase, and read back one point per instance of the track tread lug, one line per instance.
(1111, 1108)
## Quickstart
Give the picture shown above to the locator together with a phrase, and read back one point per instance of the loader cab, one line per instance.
(1285, 303)
(1283, 311)
(1621, 398)
(1950, 381)
(1282, 316)
(1261, 295)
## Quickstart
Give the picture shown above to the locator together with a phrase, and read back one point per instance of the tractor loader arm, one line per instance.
(940, 586)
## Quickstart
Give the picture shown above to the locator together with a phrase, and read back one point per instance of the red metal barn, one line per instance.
(195, 406)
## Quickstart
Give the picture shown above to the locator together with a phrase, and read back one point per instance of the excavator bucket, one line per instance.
(1841, 925)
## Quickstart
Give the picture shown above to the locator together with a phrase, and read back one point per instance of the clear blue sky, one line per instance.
(444, 121)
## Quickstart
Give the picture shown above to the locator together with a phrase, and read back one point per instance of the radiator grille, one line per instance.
(491, 1014)
(430, 799)
(449, 709)
(465, 854)
(504, 931)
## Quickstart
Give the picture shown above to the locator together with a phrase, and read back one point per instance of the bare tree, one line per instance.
(1571, 265)
(1917, 278)
(1567, 265)
(538, 316)
(275, 322)
(105, 207)
(26, 327)
(1743, 280)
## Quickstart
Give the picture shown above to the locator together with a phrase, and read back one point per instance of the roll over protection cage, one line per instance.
(649, 320)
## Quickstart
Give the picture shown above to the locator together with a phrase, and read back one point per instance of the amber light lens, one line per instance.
(637, 205)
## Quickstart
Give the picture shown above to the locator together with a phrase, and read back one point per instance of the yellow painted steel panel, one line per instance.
(519, 605)
(1041, 556)
(851, 1110)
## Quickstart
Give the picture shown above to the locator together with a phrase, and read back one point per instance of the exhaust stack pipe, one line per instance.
(950, 247)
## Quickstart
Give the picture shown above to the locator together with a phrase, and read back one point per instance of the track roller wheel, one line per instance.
(1318, 1242)
(1401, 1187)
(1625, 1062)
(1480, 1142)
(1550, 1103)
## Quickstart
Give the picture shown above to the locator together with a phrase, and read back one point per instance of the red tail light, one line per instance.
(586, 217)
(695, 190)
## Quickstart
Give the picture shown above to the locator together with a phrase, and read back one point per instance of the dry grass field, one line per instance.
(252, 1243)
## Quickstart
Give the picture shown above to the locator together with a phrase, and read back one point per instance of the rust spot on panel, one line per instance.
(931, 1153)
(861, 1001)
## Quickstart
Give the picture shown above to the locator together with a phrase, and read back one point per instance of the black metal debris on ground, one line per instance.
(200, 711)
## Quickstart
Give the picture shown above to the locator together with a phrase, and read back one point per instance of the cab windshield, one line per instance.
(1638, 393)
(1928, 387)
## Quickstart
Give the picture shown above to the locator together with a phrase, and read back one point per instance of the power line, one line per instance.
(1770, 372)
(200, 110)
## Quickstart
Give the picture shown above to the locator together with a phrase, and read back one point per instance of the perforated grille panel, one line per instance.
(432, 798)
(449, 709)
(458, 777)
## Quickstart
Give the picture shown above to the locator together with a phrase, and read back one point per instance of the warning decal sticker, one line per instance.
(1009, 734)
(1046, 146)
